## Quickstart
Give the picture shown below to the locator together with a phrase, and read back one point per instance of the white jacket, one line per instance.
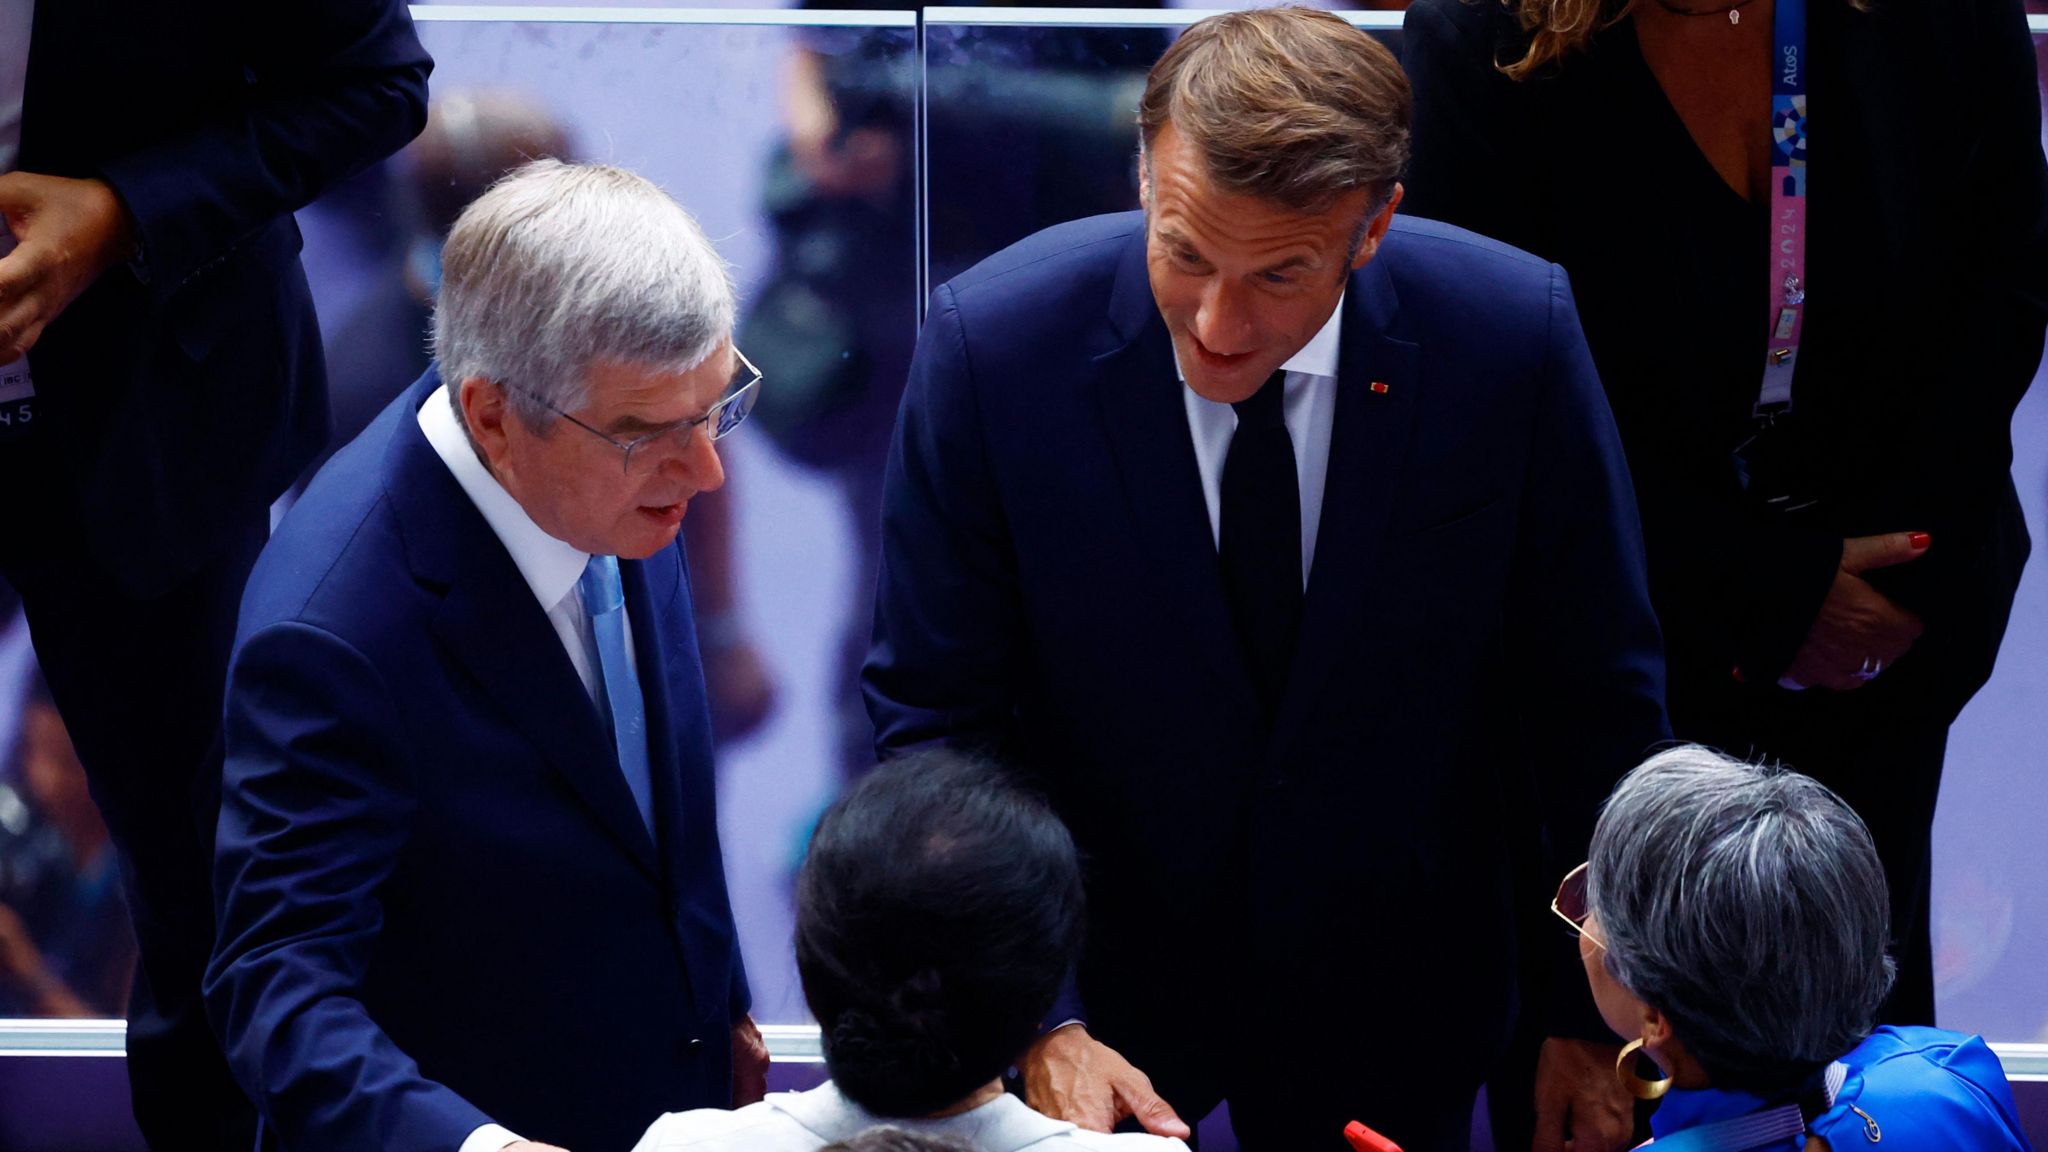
(807, 1121)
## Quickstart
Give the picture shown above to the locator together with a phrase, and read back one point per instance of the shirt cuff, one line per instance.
(489, 1138)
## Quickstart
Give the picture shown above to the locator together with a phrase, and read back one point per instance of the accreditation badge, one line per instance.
(17, 401)
(17, 387)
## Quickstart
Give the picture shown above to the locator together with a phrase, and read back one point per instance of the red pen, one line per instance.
(1366, 1140)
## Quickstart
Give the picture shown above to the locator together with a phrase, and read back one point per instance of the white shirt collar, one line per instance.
(1318, 357)
(551, 567)
(1001, 1125)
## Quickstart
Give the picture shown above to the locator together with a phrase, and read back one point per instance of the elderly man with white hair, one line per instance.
(468, 865)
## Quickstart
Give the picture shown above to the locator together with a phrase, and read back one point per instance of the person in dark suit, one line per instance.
(162, 384)
(1278, 641)
(468, 866)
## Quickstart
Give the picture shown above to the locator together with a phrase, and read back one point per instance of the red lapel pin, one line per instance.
(1380, 386)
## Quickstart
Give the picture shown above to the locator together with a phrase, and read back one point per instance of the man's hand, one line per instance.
(1069, 1075)
(749, 1063)
(1859, 630)
(67, 232)
(1580, 1105)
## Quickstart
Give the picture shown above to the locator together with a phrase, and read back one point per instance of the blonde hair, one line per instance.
(1292, 105)
(1558, 28)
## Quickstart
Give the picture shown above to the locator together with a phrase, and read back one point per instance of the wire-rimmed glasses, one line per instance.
(1572, 907)
(643, 455)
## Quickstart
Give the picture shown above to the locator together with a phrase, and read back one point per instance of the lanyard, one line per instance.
(1739, 1134)
(1788, 208)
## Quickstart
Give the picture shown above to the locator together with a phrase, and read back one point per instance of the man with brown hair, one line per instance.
(1288, 546)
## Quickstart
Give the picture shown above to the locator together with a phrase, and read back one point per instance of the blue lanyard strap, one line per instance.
(1738, 1134)
(1788, 207)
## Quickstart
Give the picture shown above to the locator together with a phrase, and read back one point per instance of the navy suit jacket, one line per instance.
(438, 903)
(1476, 631)
(178, 397)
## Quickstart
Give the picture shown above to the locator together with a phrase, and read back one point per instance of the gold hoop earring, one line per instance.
(1625, 1071)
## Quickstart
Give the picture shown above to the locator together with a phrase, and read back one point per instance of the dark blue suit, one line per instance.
(439, 904)
(174, 401)
(1313, 921)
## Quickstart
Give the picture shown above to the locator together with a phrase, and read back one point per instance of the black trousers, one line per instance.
(1880, 748)
(139, 683)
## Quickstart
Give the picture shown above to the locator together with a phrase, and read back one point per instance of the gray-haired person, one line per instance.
(468, 860)
(1732, 919)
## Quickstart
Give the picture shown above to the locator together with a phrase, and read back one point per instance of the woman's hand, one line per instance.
(1859, 631)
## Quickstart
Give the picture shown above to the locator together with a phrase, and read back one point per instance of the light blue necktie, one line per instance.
(605, 601)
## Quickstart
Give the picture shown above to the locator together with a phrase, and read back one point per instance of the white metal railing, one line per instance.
(787, 1043)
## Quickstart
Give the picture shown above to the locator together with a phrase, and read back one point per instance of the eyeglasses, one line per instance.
(1571, 906)
(643, 455)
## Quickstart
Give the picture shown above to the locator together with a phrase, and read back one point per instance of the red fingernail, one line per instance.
(1920, 540)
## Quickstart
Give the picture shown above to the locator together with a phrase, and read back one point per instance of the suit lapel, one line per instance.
(490, 624)
(1368, 444)
(1147, 426)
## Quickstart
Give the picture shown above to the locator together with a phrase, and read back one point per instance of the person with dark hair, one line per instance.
(938, 912)
(1732, 921)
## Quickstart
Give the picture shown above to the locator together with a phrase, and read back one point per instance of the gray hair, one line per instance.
(558, 267)
(1747, 904)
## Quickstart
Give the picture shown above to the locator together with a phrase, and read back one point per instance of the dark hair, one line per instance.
(886, 1139)
(937, 914)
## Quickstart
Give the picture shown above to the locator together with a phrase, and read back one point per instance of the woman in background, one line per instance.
(1833, 566)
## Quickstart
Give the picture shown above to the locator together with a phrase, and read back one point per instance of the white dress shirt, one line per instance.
(1310, 409)
(807, 1121)
(551, 568)
(17, 20)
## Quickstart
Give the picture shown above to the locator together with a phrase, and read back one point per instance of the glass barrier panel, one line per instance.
(1031, 118)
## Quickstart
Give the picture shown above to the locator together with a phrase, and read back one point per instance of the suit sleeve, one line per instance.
(332, 87)
(1580, 625)
(315, 811)
(947, 605)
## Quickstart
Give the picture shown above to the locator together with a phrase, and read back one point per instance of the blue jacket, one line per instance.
(1924, 1089)
(1476, 631)
(438, 903)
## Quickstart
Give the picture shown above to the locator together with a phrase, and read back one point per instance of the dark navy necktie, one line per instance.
(1261, 540)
